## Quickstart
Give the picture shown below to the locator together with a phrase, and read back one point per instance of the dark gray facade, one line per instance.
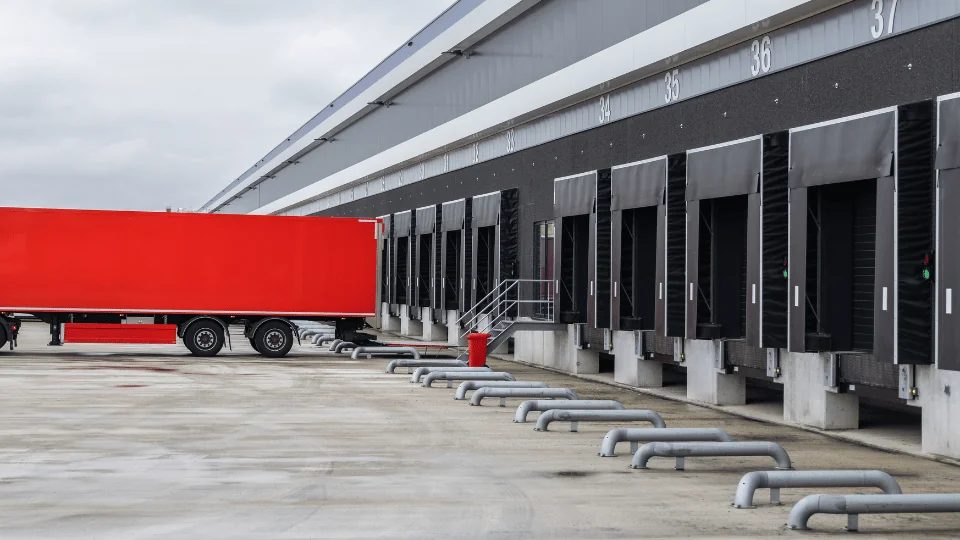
(861, 80)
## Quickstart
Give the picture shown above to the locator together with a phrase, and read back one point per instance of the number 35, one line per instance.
(672, 83)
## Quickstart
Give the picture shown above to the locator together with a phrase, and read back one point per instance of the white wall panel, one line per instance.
(849, 25)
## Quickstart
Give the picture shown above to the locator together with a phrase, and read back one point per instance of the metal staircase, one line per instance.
(499, 312)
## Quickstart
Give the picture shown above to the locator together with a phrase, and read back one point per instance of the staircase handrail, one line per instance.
(498, 300)
(501, 304)
(479, 312)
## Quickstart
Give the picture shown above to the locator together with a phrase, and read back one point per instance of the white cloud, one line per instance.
(139, 104)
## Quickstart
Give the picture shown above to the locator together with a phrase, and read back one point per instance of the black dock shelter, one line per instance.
(424, 258)
(723, 240)
(455, 232)
(637, 209)
(402, 222)
(495, 254)
(485, 223)
(575, 216)
(386, 269)
(947, 264)
(841, 261)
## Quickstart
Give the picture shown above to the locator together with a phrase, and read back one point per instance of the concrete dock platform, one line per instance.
(148, 442)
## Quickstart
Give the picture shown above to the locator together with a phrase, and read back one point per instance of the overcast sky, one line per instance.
(140, 104)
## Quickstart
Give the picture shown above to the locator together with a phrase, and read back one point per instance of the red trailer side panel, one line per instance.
(120, 333)
(144, 262)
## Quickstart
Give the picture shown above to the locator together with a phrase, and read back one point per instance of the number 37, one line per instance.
(876, 7)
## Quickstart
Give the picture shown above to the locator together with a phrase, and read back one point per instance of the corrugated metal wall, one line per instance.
(549, 37)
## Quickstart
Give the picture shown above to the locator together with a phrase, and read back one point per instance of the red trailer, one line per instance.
(86, 273)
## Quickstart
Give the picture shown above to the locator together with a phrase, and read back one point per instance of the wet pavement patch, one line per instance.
(570, 474)
(127, 368)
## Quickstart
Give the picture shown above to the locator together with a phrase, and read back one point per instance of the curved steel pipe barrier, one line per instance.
(394, 364)
(636, 435)
(775, 480)
(695, 449)
(306, 331)
(504, 393)
(320, 338)
(423, 371)
(451, 376)
(466, 386)
(569, 404)
(370, 351)
(344, 345)
(334, 343)
(854, 505)
(575, 417)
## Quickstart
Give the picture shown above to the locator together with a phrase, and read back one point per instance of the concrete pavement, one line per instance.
(147, 442)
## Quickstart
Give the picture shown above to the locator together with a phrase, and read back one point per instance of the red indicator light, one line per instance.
(926, 259)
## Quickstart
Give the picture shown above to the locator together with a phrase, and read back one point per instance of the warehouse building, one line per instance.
(724, 195)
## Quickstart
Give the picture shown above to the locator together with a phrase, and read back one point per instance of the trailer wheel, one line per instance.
(204, 338)
(3, 337)
(253, 343)
(274, 339)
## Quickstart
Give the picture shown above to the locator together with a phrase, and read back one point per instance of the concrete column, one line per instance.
(453, 330)
(939, 395)
(432, 331)
(409, 326)
(528, 347)
(705, 382)
(551, 349)
(805, 398)
(628, 368)
(583, 361)
(389, 323)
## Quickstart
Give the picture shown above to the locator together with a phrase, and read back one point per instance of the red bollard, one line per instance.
(478, 349)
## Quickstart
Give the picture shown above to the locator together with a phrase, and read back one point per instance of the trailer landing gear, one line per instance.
(55, 335)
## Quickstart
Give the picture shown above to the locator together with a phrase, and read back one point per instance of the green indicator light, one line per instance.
(785, 274)
(926, 273)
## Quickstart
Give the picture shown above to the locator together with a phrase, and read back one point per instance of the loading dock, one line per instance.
(455, 232)
(638, 209)
(841, 261)
(389, 311)
(404, 248)
(426, 268)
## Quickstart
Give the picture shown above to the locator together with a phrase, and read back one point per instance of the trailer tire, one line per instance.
(253, 343)
(273, 339)
(3, 337)
(204, 338)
